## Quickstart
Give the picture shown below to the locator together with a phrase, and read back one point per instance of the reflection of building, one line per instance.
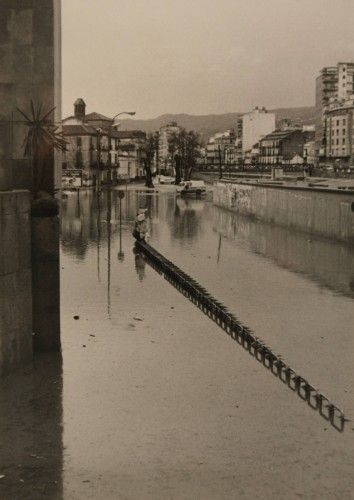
(94, 145)
(250, 128)
(333, 83)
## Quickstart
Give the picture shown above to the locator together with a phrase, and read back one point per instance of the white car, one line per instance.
(191, 187)
(165, 179)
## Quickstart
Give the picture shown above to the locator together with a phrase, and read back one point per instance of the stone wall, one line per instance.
(15, 280)
(322, 212)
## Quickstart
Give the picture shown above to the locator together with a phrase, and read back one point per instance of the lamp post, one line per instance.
(131, 113)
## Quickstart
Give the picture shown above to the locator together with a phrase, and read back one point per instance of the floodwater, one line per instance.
(152, 399)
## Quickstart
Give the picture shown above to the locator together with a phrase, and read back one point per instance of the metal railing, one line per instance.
(255, 346)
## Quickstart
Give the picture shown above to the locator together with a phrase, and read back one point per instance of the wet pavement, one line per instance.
(152, 399)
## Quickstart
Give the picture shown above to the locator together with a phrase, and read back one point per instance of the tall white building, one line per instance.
(252, 127)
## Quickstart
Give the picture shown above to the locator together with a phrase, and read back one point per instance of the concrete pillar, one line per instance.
(15, 281)
(45, 283)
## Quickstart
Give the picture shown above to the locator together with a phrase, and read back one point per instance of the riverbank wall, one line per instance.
(324, 212)
(15, 280)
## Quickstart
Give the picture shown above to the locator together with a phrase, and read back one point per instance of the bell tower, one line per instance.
(80, 109)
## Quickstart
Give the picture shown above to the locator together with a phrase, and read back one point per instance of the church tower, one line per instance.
(80, 109)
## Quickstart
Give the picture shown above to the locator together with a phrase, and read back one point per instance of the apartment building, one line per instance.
(334, 83)
(339, 131)
(282, 147)
(250, 128)
(221, 147)
(96, 148)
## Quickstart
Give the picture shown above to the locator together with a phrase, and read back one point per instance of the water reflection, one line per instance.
(31, 451)
(88, 220)
(140, 264)
(330, 264)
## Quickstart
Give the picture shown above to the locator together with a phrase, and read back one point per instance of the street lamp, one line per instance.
(131, 113)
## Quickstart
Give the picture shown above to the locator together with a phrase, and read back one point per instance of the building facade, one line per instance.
(221, 148)
(282, 147)
(99, 150)
(335, 83)
(339, 132)
(250, 128)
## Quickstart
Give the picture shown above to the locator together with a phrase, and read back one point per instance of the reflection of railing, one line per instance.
(244, 336)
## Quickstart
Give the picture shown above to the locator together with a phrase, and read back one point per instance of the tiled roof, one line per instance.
(96, 116)
(279, 134)
(78, 130)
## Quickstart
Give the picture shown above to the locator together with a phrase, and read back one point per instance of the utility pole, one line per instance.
(220, 162)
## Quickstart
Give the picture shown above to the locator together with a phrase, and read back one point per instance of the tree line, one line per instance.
(183, 149)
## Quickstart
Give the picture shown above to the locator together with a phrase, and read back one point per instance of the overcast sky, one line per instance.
(200, 56)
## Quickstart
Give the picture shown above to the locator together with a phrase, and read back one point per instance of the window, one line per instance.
(337, 141)
(337, 123)
(344, 131)
(79, 142)
(344, 122)
(343, 140)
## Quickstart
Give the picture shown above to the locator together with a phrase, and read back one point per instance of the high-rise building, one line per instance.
(251, 127)
(335, 83)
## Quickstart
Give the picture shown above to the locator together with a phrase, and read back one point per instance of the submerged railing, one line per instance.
(255, 346)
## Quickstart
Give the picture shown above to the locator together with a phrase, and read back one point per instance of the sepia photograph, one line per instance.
(176, 250)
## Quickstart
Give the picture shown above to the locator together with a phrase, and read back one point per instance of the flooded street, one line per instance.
(153, 400)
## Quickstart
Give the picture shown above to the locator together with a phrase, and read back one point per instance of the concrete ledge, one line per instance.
(316, 211)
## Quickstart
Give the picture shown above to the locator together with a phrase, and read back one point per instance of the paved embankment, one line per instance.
(325, 211)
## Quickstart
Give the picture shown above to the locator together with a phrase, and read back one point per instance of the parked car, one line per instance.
(196, 188)
(165, 179)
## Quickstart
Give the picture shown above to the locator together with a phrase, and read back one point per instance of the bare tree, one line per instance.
(150, 150)
(184, 148)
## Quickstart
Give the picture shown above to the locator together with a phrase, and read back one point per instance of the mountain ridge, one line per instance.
(207, 125)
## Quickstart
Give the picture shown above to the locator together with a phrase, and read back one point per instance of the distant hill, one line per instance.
(207, 125)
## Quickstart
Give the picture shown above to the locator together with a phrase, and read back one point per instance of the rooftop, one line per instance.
(280, 134)
(96, 116)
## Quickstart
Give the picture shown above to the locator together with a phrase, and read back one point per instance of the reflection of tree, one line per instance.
(186, 220)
